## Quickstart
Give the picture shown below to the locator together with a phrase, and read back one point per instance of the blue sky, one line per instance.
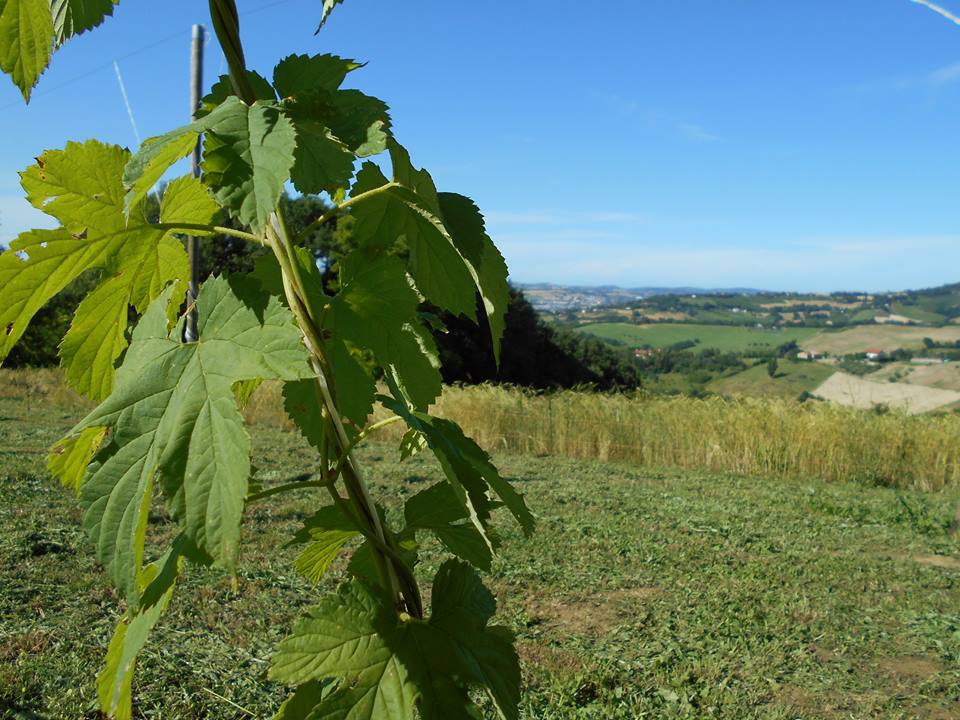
(796, 146)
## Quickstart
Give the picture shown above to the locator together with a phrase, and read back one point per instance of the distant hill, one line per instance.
(553, 298)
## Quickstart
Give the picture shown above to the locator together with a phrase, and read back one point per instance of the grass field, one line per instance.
(863, 393)
(885, 337)
(643, 594)
(944, 375)
(726, 338)
(917, 313)
(792, 378)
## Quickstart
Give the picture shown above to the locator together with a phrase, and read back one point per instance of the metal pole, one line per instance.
(193, 250)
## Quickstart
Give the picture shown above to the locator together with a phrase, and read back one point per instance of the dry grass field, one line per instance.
(945, 376)
(853, 391)
(884, 337)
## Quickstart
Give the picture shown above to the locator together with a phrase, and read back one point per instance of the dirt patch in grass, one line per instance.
(941, 561)
(554, 660)
(591, 615)
(909, 668)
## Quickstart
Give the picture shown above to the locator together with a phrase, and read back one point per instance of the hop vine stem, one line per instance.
(394, 573)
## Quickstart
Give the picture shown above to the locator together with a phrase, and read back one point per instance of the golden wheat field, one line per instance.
(764, 437)
(750, 436)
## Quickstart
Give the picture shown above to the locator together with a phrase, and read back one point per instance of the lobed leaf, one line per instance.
(156, 583)
(325, 533)
(438, 510)
(68, 460)
(247, 156)
(173, 416)
(467, 467)
(385, 667)
(81, 187)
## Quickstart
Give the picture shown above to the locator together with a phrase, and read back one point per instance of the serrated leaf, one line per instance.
(465, 464)
(436, 265)
(438, 510)
(186, 200)
(375, 301)
(360, 121)
(157, 583)
(223, 89)
(301, 704)
(376, 308)
(81, 187)
(72, 17)
(173, 416)
(114, 681)
(322, 163)
(325, 532)
(97, 334)
(69, 458)
(26, 41)
(328, 6)
(301, 74)
(416, 366)
(461, 607)
(247, 156)
(344, 636)
(385, 668)
(158, 153)
(465, 224)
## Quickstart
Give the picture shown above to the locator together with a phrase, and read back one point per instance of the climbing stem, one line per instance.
(394, 573)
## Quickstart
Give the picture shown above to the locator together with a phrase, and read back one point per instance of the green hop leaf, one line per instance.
(156, 585)
(325, 532)
(385, 667)
(328, 6)
(69, 458)
(467, 467)
(174, 417)
(465, 224)
(97, 334)
(81, 187)
(304, 74)
(247, 157)
(435, 264)
(438, 510)
(26, 41)
(72, 17)
(376, 308)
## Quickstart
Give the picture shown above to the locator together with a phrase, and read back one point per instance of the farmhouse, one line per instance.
(873, 353)
(809, 355)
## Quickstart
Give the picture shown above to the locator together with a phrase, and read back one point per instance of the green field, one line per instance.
(792, 378)
(915, 312)
(726, 338)
(644, 593)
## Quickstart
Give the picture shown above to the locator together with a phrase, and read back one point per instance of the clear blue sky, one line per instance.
(800, 146)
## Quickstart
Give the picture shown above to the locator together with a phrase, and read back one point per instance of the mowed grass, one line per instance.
(726, 338)
(644, 593)
(792, 378)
